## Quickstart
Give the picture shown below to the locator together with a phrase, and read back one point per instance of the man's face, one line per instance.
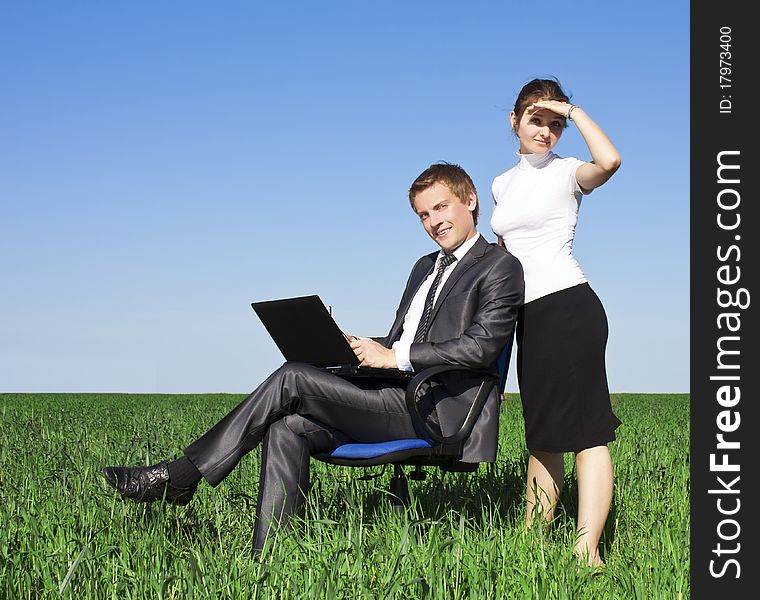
(445, 217)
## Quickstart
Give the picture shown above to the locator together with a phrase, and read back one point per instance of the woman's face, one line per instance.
(538, 130)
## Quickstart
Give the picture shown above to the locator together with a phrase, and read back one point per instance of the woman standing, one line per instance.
(562, 329)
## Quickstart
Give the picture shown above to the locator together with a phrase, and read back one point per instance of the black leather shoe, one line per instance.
(147, 484)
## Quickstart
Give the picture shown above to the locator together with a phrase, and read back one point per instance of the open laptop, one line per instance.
(305, 331)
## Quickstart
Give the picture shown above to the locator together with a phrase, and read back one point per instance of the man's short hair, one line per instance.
(453, 177)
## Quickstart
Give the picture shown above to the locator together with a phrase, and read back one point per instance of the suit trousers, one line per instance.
(298, 411)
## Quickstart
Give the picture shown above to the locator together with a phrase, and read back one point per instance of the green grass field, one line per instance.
(64, 533)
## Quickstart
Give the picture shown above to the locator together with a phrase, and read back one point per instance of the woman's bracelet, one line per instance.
(572, 108)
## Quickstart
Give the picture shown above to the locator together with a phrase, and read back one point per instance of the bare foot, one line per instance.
(592, 559)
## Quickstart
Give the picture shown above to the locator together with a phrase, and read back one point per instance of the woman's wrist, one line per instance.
(570, 111)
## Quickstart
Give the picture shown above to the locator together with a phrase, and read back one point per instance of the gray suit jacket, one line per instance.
(473, 318)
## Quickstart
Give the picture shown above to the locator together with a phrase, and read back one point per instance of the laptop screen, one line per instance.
(304, 331)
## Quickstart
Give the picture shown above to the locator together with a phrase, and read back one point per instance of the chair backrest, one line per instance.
(502, 364)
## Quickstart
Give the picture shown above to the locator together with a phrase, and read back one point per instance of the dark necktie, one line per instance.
(422, 328)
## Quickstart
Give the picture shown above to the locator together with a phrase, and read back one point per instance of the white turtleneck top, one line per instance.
(535, 212)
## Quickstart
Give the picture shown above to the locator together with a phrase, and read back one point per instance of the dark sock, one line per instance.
(183, 473)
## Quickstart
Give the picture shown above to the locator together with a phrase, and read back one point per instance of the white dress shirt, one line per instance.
(414, 313)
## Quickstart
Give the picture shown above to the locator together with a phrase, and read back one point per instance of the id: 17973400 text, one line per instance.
(725, 70)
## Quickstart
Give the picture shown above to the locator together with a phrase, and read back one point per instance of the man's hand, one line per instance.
(372, 354)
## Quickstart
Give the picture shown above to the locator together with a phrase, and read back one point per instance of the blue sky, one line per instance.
(164, 164)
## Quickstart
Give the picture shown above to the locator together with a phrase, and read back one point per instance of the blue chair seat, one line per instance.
(379, 453)
(354, 451)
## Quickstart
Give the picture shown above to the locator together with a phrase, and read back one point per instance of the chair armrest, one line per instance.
(412, 390)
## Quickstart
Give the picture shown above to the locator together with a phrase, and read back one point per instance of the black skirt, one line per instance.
(561, 372)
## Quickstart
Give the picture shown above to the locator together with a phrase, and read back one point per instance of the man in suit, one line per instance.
(459, 307)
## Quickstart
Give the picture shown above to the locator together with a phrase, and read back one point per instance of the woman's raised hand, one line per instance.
(561, 108)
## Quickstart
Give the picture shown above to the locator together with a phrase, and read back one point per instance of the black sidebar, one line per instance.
(725, 298)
